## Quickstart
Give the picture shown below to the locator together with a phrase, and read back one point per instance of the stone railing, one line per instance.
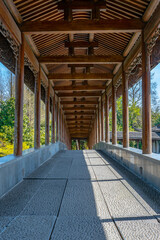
(145, 166)
(14, 169)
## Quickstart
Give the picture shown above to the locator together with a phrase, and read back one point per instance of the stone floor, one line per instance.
(80, 195)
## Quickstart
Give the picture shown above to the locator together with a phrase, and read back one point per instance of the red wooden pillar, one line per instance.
(114, 116)
(53, 119)
(19, 101)
(47, 102)
(146, 100)
(98, 125)
(96, 128)
(125, 109)
(107, 136)
(57, 120)
(60, 123)
(37, 110)
(101, 119)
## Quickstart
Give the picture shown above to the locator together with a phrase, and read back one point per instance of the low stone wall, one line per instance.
(14, 169)
(145, 166)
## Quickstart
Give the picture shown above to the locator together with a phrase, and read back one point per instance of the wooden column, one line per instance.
(47, 103)
(98, 125)
(57, 120)
(96, 129)
(146, 100)
(114, 116)
(102, 119)
(125, 109)
(18, 139)
(53, 119)
(37, 110)
(107, 136)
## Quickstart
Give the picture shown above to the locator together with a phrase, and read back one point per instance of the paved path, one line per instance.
(80, 195)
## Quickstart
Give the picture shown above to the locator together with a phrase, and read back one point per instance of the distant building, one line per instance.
(137, 137)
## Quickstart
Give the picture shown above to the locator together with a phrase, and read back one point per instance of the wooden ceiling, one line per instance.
(80, 72)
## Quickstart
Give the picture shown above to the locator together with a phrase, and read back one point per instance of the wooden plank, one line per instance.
(79, 88)
(8, 21)
(81, 44)
(82, 26)
(79, 102)
(81, 76)
(110, 59)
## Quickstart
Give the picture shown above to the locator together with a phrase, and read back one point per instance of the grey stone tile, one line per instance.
(29, 228)
(83, 198)
(139, 229)
(81, 172)
(84, 228)
(47, 200)
(15, 201)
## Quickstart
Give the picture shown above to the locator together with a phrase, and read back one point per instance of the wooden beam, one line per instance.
(12, 8)
(78, 119)
(78, 125)
(82, 5)
(110, 59)
(79, 94)
(81, 44)
(79, 113)
(80, 65)
(9, 23)
(78, 128)
(148, 31)
(82, 26)
(79, 88)
(79, 102)
(75, 121)
(44, 78)
(81, 76)
(30, 55)
(78, 108)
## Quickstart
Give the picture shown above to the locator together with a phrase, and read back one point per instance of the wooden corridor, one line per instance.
(80, 195)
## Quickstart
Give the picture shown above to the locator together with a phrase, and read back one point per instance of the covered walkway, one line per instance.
(80, 195)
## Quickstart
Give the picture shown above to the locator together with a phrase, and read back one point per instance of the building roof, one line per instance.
(135, 136)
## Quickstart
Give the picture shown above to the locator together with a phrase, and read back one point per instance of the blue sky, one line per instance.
(156, 78)
(155, 71)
